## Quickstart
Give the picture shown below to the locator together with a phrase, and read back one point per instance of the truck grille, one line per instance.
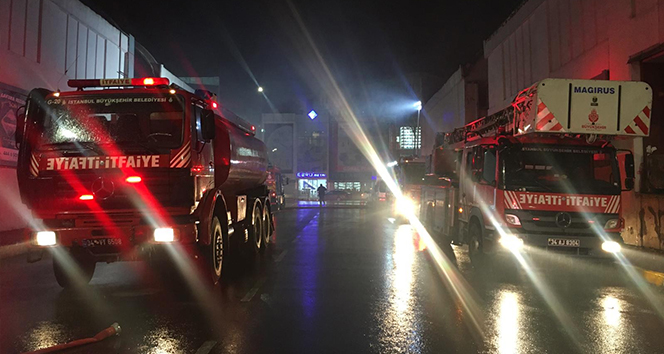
(544, 222)
(166, 188)
(117, 219)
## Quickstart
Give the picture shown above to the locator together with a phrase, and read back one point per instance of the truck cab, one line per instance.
(542, 174)
(119, 168)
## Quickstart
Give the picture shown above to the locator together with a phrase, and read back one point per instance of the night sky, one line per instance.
(370, 46)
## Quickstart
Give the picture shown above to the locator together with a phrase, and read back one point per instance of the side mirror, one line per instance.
(629, 184)
(20, 125)
(207, 125)
(629, 166)
(477, 175)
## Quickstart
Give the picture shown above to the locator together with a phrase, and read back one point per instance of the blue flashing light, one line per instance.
(312, 114)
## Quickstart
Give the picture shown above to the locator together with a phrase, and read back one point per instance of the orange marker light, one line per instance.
(87, 197)
(133, 179)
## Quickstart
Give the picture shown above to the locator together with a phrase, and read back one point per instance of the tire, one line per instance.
(475, 246)
(267, 228)
(78, 273)
(429, 221)
(256, 230)
(217, 250)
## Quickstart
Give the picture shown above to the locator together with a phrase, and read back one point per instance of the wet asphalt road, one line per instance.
(338, 281)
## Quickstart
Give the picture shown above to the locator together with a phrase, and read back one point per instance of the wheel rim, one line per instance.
(258, 236)
(218, 251)
(266, 227)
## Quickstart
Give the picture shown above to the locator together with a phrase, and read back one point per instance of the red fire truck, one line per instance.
(275, 183)
(541, 174)
(411, 175)
(122, 169)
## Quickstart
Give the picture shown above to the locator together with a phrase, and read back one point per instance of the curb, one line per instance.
(652, 277)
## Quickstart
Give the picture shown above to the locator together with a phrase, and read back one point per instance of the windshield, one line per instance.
(561, 170)
(412, 173)
(124, 120)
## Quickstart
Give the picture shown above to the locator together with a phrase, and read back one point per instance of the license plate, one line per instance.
(564, 242)
(100, 242)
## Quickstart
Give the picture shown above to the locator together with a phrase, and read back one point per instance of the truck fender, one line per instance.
(212, 204)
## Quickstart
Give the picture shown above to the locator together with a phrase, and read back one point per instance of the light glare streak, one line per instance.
(448, 272)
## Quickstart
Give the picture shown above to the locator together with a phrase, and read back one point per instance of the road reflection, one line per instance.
(508, 323)
(613, 332)
(401, 332)
(162, 341)
(45, 334)
(308, 258)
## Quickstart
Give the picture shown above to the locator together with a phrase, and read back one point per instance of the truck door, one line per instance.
(479, 190)
(202, 157)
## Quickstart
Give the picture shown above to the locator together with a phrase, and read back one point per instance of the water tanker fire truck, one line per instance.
(275, 184)
(541, 174)
(125, 168)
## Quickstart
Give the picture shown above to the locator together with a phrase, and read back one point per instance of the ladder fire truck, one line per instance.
(542, 173)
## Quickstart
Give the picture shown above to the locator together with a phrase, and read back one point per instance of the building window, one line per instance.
(348, 186)
(410, 138)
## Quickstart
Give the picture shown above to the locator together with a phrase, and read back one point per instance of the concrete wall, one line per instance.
(445, 111)
(43, 43)
(569, 39)
(580, 39)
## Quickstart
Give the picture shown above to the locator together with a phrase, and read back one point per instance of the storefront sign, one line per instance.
(311, 175)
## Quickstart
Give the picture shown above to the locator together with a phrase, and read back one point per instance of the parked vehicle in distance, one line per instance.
(338, 195)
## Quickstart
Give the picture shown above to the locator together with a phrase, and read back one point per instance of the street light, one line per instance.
(418, 135)
(260, 88)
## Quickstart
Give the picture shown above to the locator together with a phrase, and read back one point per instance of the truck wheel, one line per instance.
(75, 269)
(266, 228)
(217, 250)
(429, 221)
(256, 230)
(475, 246)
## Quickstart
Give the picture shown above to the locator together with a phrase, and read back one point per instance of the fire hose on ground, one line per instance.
(114, 329)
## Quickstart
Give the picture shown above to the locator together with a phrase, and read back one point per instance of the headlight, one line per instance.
(512, 220)
(612, 224)
(405, 206)
(45, 238)
(511, 242)
(611, 246)
(164, 234)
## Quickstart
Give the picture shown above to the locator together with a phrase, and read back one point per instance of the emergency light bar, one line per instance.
(146, 81)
